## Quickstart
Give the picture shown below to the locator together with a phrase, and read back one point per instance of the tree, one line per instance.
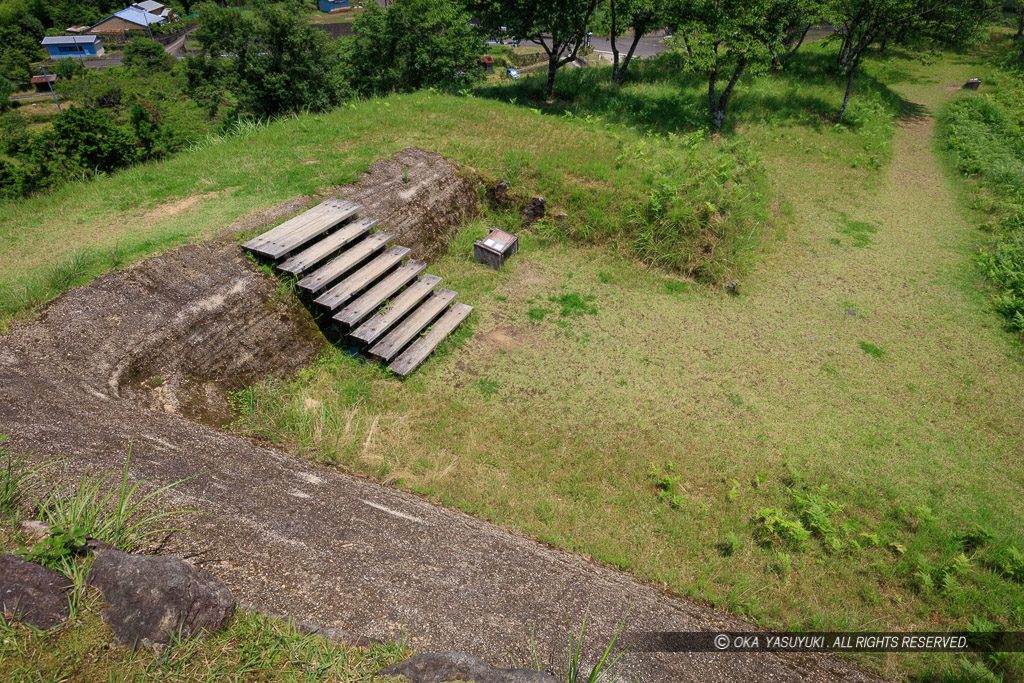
(642, 16)
(861, 23)
(145, 54)
(794, 19)
(723, 36)
(558, 26)
(19, 46)
(412, 44)
(270, 58)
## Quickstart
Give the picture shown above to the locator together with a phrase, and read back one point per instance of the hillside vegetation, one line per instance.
(985, 136)
(835, 447)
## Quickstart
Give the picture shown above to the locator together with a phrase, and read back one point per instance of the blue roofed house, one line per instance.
(134, 18)
(73, 46)
(333, 5)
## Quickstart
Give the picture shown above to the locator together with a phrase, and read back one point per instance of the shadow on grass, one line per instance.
(660, 96)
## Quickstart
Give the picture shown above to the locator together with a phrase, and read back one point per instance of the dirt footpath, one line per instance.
(127, 360)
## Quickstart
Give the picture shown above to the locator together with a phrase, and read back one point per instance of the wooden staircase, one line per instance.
(384, 304)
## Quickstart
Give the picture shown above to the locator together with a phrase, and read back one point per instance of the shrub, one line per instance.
(6, 90)
(145, 55)
(771, 528)
(87, 140)
(987, 143)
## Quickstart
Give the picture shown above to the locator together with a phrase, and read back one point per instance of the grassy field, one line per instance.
(834, 447)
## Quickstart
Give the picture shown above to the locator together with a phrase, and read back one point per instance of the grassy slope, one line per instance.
(597, 177)
(905, 409)
(551, 423)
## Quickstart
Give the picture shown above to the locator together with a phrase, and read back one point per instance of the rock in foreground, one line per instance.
(34, 595)
(151, 599)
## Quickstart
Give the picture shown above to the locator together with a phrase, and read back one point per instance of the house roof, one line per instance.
(151, 6)
(136, 16)
(70, 40)
(48, 78)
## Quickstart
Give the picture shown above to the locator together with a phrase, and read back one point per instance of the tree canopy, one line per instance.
(270, 58)
(412, 44)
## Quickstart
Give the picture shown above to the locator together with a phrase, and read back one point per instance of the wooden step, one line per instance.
(397, 339)
(375, 327)
(343, 292)
(338, 266)
(301, 229)
(341, 237)
(374, 297)
(277, 232)
(418, 351)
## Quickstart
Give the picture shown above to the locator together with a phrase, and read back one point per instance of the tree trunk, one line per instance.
(552, 70)
(846, 97)
(637, 35)
(712, 100)
(615, 49)
(718, 109)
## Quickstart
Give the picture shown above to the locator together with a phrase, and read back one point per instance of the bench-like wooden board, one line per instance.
(375, 327)
(418, 351)
(348, 260)
(343, 292)
(396, 340)
(345, 235)
(372, 299)
(298, 231)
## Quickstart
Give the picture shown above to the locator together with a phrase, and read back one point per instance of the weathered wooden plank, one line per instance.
(345, 235)
(300, 234)
(316, 213)
(375, 327)
(396, 340)
(372, 299)
(418, 351)
(283, 229)
(343, 292)
(348, 260)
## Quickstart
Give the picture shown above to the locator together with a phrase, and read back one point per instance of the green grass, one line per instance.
(252, 647)
(982, 133)
(851, 484)
(600, 176)
(813, 487)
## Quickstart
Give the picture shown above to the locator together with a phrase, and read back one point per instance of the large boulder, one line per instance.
(32, 594)
(439, 667)
(151, 599)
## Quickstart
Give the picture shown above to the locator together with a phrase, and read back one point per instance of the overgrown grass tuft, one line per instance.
(116, 514)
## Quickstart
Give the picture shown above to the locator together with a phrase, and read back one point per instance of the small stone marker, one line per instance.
(972, 83)
(32, 594)
(439, 667)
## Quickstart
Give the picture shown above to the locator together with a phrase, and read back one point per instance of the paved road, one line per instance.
(647, 47)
